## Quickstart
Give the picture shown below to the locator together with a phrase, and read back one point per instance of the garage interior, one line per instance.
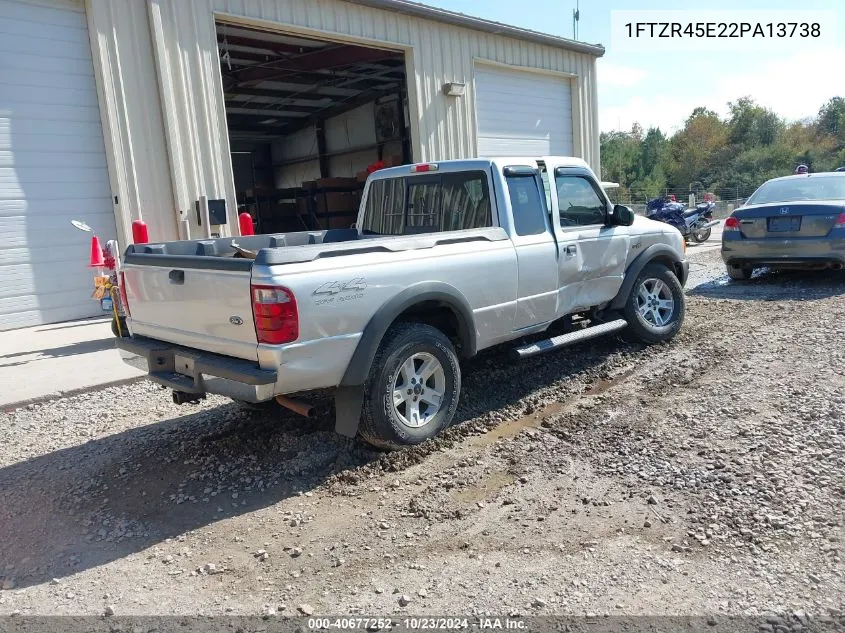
(307, 121)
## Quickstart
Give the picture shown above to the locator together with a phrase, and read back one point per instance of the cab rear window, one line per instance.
(428, 203)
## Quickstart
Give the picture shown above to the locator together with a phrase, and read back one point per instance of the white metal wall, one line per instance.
(131, 115)
(187, 67)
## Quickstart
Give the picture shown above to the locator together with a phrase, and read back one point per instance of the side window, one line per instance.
(385, 210)
(580, 204)
(466, 201)
(529, 212)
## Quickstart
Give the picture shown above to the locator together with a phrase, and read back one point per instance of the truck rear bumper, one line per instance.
(197, 372)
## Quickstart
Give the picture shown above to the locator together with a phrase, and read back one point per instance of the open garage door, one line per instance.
(521, 113)
(52, 164)
(308, 120)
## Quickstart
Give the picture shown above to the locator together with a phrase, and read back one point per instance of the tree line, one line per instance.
(728, 157)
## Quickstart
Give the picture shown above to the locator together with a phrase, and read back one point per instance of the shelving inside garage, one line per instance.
(306, 119)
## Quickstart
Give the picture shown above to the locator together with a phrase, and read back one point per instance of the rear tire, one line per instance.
(701, 235)
(412, 391)
(740, 273)
(655, 308)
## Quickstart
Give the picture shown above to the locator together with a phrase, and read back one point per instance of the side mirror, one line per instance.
(622, 216)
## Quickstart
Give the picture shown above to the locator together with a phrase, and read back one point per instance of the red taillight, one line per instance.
(840, 222)
(275, 314)
(423, 168)
(731, 224)
(121, 287)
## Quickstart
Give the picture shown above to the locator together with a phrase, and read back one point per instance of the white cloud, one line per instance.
(795, 87)
(615, 76)
(668, 112)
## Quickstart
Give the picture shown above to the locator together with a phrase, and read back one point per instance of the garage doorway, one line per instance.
(308, 120)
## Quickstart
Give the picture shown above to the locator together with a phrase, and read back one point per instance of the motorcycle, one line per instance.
(694, 224)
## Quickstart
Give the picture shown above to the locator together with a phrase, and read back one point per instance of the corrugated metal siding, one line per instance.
(131, 116)
(185, 49)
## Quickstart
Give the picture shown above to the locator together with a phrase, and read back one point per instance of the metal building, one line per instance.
(168, 110)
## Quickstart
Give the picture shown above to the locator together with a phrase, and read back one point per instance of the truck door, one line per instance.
(536, 249)
(581, 226)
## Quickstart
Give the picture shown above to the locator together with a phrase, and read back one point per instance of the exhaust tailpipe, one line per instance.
(182, 397)
(298, 406)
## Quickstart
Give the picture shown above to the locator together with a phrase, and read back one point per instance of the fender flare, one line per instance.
(654, 252)
(349, 396)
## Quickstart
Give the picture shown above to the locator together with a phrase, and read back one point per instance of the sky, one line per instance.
(661, 89)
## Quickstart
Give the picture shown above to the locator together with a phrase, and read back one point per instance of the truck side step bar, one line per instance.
(556, 342)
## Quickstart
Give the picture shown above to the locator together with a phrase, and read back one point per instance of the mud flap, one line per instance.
(348, 402)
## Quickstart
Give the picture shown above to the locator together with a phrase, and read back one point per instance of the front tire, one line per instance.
(412, 392)
(655, 308)
(740, 273)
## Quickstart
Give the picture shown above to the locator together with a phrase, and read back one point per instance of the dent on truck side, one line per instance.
(660, 252)
(350, 394)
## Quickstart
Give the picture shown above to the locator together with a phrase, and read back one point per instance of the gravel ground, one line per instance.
(706, 476)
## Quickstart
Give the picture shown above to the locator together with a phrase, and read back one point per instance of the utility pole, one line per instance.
(576, 16)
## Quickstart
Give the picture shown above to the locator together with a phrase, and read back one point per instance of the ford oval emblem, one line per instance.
(236, 320)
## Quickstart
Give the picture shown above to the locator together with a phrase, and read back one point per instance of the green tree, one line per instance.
(831, 120)
(710, 154)
(751, 125)
(694, 148)
(655, 153)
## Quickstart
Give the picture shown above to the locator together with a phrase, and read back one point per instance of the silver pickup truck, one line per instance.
(444, 260)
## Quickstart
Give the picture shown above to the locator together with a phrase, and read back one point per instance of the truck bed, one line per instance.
(197, 293)
(290, 248)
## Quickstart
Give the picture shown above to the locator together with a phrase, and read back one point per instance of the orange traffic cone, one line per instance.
(97, 260)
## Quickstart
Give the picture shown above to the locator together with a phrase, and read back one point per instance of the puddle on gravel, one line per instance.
(512, 428)
(606, 383)
(484, 489)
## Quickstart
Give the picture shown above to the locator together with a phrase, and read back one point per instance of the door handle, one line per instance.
(571, 250)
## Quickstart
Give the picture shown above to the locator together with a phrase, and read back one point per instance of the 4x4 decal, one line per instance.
(335, 287)
(342, 290)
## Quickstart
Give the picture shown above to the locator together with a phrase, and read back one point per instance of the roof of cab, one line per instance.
(479, 163)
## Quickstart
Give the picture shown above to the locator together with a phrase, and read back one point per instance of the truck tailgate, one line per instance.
(204, 308)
